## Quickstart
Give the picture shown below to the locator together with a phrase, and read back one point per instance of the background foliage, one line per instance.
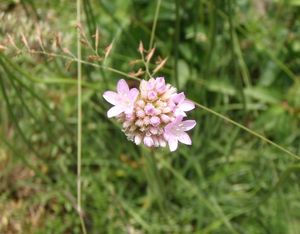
(240, 58)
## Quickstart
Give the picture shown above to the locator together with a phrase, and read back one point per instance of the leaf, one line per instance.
(220, 86)
(263, 94)
(183, 73)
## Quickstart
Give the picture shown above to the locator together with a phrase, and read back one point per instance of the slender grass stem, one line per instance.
(146, 64)
(176, 42)
(79, 117)
(78, 111)
(154, 24)
(74, 59)
(247, 130)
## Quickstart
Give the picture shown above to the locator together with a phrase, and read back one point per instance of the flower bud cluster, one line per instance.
(148, 115)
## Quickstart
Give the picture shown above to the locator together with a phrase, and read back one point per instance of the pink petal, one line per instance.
(173, 143)
(167, 132)
(128, 110)
(179, 112)
(111, 97)
(189, 124)
(185, 139)
(160, 80)
(160, 84)
(133, 93)
(168, 129)
(179, 97)
(150, 84)
(122, 86)
(148, 141)
(154, 121)
(114, 111)
(187, 105)
(149, 109)
(178, 119)
(152, 95)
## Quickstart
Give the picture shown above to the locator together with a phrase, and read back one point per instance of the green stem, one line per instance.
(154, 24)
(247, 130)
(176, 42)
(146, 64)
(79, 117)
(74, 59)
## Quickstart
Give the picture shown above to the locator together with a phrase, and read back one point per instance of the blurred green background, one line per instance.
(240, 58)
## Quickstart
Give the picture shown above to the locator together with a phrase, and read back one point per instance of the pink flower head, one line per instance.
(176, 131)
(182, 104)
(152, 115)
(123, 100)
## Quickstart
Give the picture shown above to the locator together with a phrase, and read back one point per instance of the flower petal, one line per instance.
(128, 110)
(179, 97)
(150, 84)
(133, 94)
(169, 127)
(122, 86)
(148, 141)
(114, 111)
(179, 112)
(143, 85)
(160, 79)
(185, 138)
(111, 97)
(173, 143)
(188, 124)
(178, 119)
(167, 130)
(187, 105)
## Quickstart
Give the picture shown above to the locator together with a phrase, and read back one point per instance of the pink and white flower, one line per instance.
(182, 104)
(176, 131)
(152, 115)
(123, 100)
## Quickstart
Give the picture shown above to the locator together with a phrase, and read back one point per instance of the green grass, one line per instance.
(238, 58)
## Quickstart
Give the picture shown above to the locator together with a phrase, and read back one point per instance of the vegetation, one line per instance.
(238, 59)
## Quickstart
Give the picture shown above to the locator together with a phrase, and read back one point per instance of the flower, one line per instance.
(152, 115)
(176, 131)
(182, 104)
(123, 100)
